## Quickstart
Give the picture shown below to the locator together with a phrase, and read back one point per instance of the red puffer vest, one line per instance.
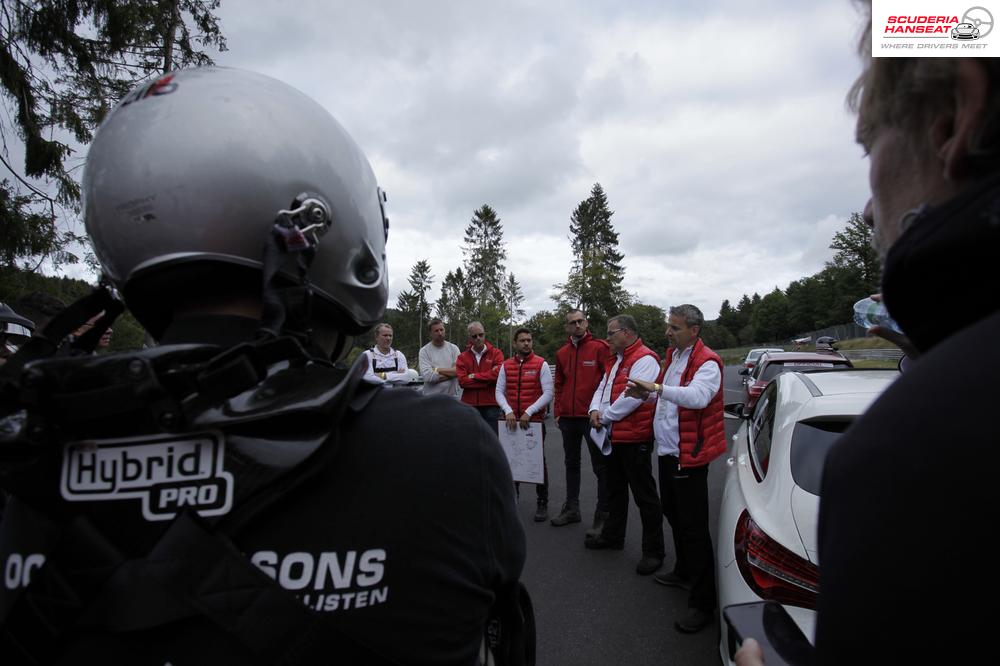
(637, 426)
(579, 369)
(524, 384)
(702, 431)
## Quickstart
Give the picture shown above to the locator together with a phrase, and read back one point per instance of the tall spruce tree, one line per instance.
(595, 280)
(454, 305)
(484, 255)
(62, 67)
(512, 298)
(413, 301)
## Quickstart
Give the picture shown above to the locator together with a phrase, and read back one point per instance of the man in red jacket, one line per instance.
(690, 431)
(477, 369)
(524, 390)
(630, 466)
(580, 365)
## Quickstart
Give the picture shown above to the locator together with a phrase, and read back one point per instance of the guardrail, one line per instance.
(872, 354)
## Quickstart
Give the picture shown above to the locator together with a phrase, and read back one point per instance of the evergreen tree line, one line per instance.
(482, 290)
(808, 304)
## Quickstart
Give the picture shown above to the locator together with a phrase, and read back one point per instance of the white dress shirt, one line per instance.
(696, 395)
(646, 369)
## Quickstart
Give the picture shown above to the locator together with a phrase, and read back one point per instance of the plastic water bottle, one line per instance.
(868, 313)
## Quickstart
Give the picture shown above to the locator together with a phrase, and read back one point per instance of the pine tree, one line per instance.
(595, 280)
(512, 298)
(856, 254)
(64, 64)
(484, 255)
(413, 302)
(454, 305)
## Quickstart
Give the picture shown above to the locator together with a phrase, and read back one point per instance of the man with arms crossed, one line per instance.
(437, 362)
(385, 364)
(477, 369)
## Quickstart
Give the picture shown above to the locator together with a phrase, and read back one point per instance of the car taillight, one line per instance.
(773, 571)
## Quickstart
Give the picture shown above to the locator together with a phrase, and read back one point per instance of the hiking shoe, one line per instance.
(694, 621)
(599, 518)
(670, 579)
(600, 543)
(570, 514)
(648, 564)
(542, 512)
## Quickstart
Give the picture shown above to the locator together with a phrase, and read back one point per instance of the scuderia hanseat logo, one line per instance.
(167, 473)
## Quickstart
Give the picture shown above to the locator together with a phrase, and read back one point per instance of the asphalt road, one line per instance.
(590, 606)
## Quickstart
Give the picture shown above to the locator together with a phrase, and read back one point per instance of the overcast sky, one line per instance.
(718, 128)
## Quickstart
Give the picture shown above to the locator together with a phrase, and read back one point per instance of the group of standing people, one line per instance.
(618, 399)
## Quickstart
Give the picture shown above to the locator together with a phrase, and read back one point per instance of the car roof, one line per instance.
(763, 350)
(846, 382)
(788, 357)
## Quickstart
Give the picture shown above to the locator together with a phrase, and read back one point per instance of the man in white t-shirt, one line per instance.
(437, 362)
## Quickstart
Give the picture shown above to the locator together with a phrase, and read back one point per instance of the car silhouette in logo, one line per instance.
(965, 31)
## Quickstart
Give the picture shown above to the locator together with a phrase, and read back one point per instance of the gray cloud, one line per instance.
(717, 129)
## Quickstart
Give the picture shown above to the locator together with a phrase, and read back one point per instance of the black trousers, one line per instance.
(684, 498)
(630, 467)
(573, 429)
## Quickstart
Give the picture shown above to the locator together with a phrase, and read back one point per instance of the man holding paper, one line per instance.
(524, 390)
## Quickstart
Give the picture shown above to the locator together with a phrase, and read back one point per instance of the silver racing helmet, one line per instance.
(187, 175)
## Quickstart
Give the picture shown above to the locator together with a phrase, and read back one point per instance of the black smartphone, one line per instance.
(769, 624)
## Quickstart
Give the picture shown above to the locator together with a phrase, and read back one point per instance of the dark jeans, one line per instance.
(541, 489)
(684, 498)
(573, 429)
(630, 466)
(491, 414)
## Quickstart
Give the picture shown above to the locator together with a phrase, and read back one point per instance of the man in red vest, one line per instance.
(690, 432)
(477, 369)
(629, 451)
(580, 364)
(524, 390)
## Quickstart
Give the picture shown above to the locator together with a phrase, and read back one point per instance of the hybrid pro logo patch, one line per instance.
(167, 473)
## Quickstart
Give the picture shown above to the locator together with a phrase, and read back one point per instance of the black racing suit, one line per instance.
(392, 520)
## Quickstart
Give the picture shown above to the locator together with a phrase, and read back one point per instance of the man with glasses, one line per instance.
(14, 331)
(477, 369)
(629, 444)
(580, 364)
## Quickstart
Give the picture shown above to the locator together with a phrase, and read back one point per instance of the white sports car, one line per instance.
(965, 31)
(767, 546)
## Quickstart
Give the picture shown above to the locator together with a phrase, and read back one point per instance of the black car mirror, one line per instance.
(735, 409)
(744, 371)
